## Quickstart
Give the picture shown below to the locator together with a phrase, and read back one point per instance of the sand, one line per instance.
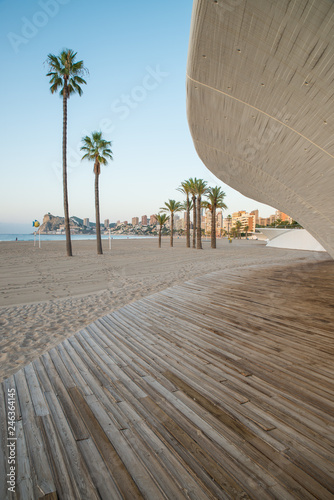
(46, 297)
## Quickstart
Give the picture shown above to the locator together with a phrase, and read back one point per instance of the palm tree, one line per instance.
(171, 206)
(200, 190)
(192, 185)
(185, 188)
(66, 76)
(97, 150)
(246, 231)
(161, 220)
(216, 200)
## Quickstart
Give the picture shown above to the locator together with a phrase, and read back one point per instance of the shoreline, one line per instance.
(46, 297)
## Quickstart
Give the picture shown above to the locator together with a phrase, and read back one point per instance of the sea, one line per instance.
(61, 237)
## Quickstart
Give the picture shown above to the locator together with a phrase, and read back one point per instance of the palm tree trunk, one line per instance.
(171, 228)
(97, 215)
(188, 223)
(160, 237)
(213, 228)
(199, 229)
(65, 195)
(194, 221)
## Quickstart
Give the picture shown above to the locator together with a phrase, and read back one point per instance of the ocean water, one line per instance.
(61, 237)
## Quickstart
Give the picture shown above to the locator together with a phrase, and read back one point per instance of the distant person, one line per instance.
(16, 239)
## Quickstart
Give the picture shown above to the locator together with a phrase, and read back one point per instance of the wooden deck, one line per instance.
(222, 387)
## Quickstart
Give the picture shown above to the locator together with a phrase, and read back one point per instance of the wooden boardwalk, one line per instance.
(220, 388)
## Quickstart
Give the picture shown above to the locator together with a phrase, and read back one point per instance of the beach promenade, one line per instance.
(218, 387)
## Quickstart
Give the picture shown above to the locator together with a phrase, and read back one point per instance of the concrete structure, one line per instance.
(86, 222)
(260, 105)
(144, 220)
(135, 221)
(298, 239)
(106, 223)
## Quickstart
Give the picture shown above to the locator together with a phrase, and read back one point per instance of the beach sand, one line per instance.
(46, 297)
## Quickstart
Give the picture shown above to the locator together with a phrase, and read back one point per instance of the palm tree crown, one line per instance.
(97, 150)
(216, 197)
(66, 73)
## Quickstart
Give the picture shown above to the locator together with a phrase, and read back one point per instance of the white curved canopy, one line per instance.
(260, 103)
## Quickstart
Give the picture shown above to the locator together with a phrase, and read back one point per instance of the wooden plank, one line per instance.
(77, 468)
(25, 484)
(65, 487)
(49, 377)
(43, 477)
(37, 396)
(122, 478)
(99, 473)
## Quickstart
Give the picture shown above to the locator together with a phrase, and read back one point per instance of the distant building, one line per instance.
(283, 217)
(86, 222)
(144, 220)
(257, 216)
(219, 222)
(106, 223)
(247, 220)
(125, 223)
(135, 221)
(153, 220)
(118, 223)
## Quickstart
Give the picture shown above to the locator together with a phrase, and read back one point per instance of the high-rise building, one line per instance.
(283, 217)
(135, 221)
(106, 223)
(153, 220)
(219, 222)
(118, 223)
(247, 220)
(257, 216)
(86, 222)
(144, 220)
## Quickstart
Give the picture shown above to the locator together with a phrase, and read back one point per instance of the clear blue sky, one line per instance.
(136, 54)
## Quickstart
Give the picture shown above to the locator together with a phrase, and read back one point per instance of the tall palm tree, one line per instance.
(200, 191)
(97, 150)
(192, 184)
(215, 200)
(171, 206)
(161, 220)
(185, 188)
(66, 76)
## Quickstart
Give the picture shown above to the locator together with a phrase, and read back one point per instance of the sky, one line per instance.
(136, 55)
